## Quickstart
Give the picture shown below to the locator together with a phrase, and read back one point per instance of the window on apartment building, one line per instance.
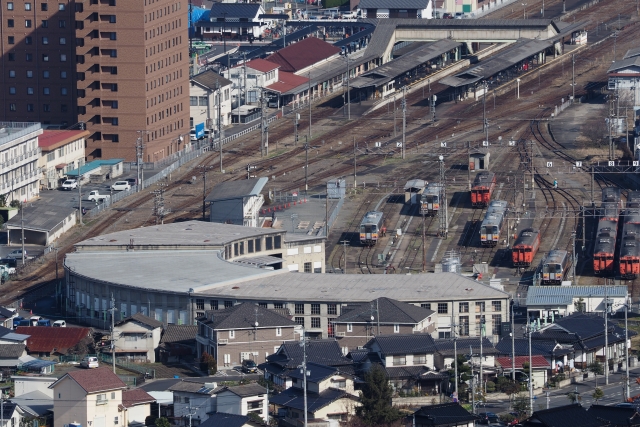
(426, 305)
(315, 308)
(299, 321)
(443, 308)
(199, 304)
(213, 304)
(114, 105)
(112, 19)
(44, 7)
(62, 23)
(203, 101)
(114, 121)
(12, 73)
(64, 91)
(46, 91)
(63, 74)
(113, 36)
(349, 327)
(496, 323)
(45, 23)
(45, 74)
(9, 5)
(232, 334)
(332, 309)
(10, 23)
(268, 243)
(277, 242)
(63, 40)
(45, 57)
(51, 156)
(307, 267)
(278, 332)
(299, 309)
(258, 245)
(11, 40)
(29, 57)
(228, 304)
(29, 91)
(278, 305)
(263, 305)
(114, 87)
(463, 307)
(27, 23)
(250, 246)
(11, 56)
(464, 326)
(396, 328)
(28, 40)
(29, 74)
(27, 6)
(61, 6)
(12, 107)
(193, 101)
(30, 108)
(480, 307)
(113, 53)
(12, 90)
(101, 399)
(399, 360)
(315, 322)
(497, 305)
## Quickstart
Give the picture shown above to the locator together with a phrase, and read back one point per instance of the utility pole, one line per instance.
(348, 93)
(434, 98)
(220, 124)
(575, 257)
(444, 226)
(296, 118)
(139, 158)
(113, 338)
(344, 251)
(606, 334)
(306, 169)
(482, 320)
(424, 253)
(22, 225)
(513, 344)
(530, 370)
(395, 131)
(626, 349)
(354, 163)
(404, 120)
(203, 172)
(309, 115)
(264, 136)
(455, 347)
(80, 196)
(573, 77)
(303, 344)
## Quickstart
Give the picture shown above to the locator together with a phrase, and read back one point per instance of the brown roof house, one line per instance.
(358, 323)
(137, 338)
(91, 397)
(47, 342)
(243, 332)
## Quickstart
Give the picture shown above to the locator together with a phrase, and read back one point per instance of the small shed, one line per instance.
(42, 224)
(237, 202)
(336, 188)
(413, 189)
(245, 114)
(98, 170)
(479, 159)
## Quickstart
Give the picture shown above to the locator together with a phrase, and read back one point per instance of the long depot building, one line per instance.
(175, 272)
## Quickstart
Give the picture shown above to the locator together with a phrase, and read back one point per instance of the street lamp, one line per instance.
(524, 10)
(518, 92)
(348, 99)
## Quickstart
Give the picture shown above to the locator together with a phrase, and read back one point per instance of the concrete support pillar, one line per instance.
(469, 47)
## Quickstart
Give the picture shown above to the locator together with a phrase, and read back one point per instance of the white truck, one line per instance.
(97, 197)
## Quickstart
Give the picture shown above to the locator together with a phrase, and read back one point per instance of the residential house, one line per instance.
(61, 152)
(408, 359)
(445, 415)
(250, 78)
(243, 400)
(548, 303)
(558, 356)
(358, 323)
(10, 336)
(445, 352)
(13, 347)
(412, 9)
(239, 21)
(7, 316)
(624, 77)
(193, 398)
(53, 342)
(585, 333)
(209, 98)
(243, 332)
(137, 338)
(13, 415)
(33, 395)
(26, 384)
(330, 395)
(568, 415)
(135, 407)
(219, 419)
(289, 357)
(540, 368)
(178, 341)
(90, 397)
(617, 417)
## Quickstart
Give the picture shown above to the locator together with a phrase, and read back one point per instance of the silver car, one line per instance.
(121, 186)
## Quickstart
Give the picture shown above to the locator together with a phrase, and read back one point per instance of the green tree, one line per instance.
(597, 369)
(574, 397)
(521, 405)
(162, 422)
(376, 397)
(597, 394)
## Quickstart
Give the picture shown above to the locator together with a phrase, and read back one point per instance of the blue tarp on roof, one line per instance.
(197, 14)
(88, 167)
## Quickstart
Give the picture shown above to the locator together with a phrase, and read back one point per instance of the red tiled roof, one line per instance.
(538, 361)
(52, 340)
(287, 81)
(95, 380)
(136, 396)
(52, 137)
(260, 65)
(303, 54)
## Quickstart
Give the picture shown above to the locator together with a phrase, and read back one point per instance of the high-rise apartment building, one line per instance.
(120, 66)
(37, 82)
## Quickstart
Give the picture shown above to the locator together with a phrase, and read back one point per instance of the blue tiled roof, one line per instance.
(564, 295)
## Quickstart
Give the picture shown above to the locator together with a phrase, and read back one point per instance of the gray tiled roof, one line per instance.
(294, 398)
(179, 334)
(233, 10)
(322, 352)
(244, 316)
(246, 390)
(219, 419)
(11, 351)
(634, 61)
(236, 189)
(194, 387)
(445, 347)
(211, 80)
(7, 314)
(618, 417)
(404, 344)
(141, 318)
(388, 310)
(445, 414)
(568, 415)
(316, 372)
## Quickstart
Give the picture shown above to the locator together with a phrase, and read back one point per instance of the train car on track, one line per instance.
(492, 224)
(555, 267)
(629, 261)
(372, 227)
(525, 248)
(633, 199)
(482, 189)
(607, 232)
(431, 199)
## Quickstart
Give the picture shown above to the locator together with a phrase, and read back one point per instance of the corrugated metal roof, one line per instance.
(393, 4)
(564, 295)
(237, 189)
(211, 80)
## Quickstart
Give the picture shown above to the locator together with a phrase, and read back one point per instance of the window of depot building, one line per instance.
(443, 308)
(213, 304)
(277, 242)
(258, 243)
(315, 322)
(268, 243)
(307, 267)
(199, 304)
(228, 304)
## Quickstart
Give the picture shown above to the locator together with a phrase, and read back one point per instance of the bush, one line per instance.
(507, 418)
(491, 386)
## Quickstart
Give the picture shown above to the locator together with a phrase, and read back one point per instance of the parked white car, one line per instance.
(89, 362)
(70, 184)
(59, 324)
(96, 196)
(121, 186)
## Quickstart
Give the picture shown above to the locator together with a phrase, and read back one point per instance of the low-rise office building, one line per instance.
(61, 152)
(209, 99)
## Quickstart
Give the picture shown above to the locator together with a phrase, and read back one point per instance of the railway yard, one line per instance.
(534, 163)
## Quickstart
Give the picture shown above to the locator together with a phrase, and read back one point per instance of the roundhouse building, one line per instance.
(175, 272)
